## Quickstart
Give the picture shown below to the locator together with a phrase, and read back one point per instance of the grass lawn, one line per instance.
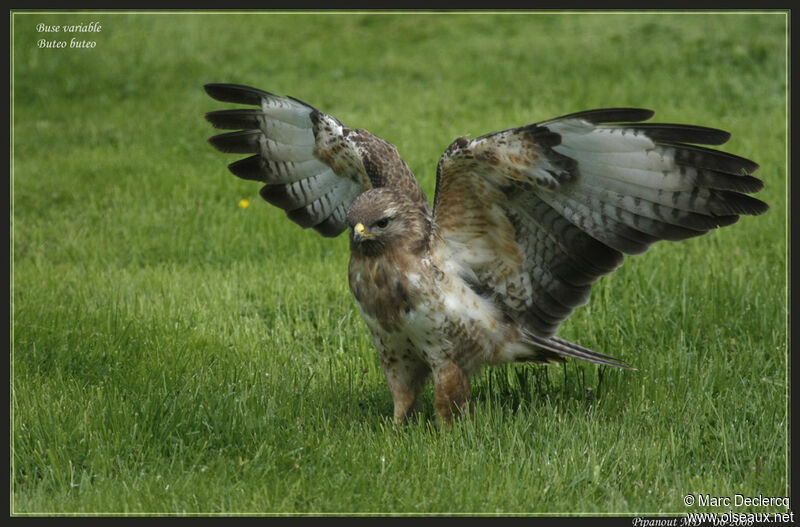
(173, 353)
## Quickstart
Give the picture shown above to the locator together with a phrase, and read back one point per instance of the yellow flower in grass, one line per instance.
(244, 203)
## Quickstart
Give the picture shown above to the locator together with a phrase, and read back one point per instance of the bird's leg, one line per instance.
(451, 391)
(405, 379)
(403, 403)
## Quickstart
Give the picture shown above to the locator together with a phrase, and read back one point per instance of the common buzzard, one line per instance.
(523, 222)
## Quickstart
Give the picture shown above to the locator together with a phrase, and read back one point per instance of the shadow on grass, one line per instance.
(514, 387)
(519, 386)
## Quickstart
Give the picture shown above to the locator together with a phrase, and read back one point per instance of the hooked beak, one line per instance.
(360, 233)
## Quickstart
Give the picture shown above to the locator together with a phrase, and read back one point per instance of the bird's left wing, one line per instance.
(532, 216)
(313, 165)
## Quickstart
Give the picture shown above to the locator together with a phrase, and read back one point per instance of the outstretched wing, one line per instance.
(313, 165)
(534, 215)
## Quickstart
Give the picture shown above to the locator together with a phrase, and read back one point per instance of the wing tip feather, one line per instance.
(608, 115)
(248, 168)
(236, 93)
(240, 142)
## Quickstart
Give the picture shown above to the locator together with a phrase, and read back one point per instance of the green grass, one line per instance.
(173, 353)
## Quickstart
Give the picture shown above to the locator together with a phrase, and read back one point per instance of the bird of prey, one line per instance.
(523, 221)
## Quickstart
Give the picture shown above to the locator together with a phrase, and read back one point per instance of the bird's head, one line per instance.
(384, 219)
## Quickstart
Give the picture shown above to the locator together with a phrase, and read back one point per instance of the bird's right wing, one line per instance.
(313, 165)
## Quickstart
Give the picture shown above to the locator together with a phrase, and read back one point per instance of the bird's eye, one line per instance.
(382, 223)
